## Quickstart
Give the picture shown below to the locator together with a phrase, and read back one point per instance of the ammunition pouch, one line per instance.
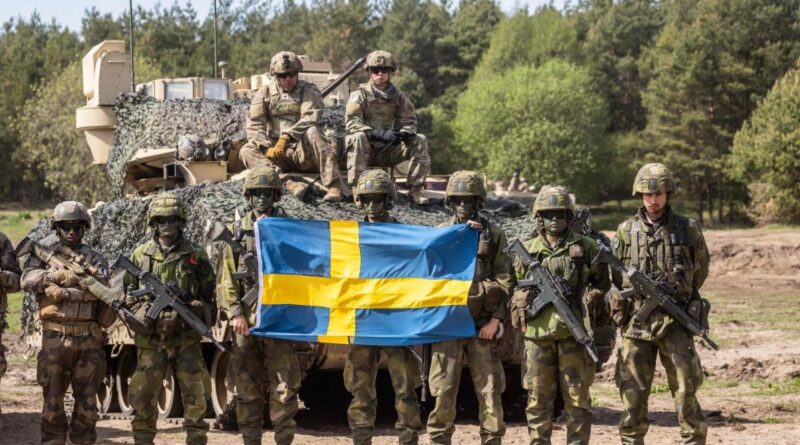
(140, 325)
(167, 323)
(699, 309)
(619, 308)
(605, 338)
(519, 302)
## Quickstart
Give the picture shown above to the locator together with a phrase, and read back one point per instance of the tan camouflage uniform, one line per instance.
(72, 352)
(297, 113)
(251, 354)
(488, 298)
(371, 109)
(360, 371)
(658, 336)
(174, 345)
(553, 359)
(9, 282)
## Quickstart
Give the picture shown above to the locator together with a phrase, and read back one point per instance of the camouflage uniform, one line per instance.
(173, 345)
(488, 298)
(294, 114)
(370, 109)
(674, 250)
(552, 358)
(251, 354)
(72, 352)
(9, 282)
(361, 367)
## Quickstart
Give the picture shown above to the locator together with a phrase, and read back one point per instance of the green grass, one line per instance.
(14, 313)
(17, 224)
(659, 388)
(741, 314)
(721, 383)
(776, 388)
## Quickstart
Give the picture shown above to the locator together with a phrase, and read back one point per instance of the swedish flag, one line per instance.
(364, 283)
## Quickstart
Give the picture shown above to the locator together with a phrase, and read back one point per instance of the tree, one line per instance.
(545, 122)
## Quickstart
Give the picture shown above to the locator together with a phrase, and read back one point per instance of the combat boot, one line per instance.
(415, 193)
(334, 194)
(297, 188)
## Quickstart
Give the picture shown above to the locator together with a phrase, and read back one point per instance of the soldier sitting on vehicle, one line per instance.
(382, 128)
(283, 120)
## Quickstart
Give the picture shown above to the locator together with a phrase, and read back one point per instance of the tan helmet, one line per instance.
(70, 211)
(285, 62)
(553, 198)
(165, 204)
(653, 178)
(380, 58)
(373, 182)
(262, 177)
(465, 183)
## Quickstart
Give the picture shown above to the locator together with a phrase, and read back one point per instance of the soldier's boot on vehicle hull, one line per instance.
(415, 193)
(334, 194)
(297, 188)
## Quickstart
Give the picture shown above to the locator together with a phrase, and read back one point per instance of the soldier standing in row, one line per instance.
(9, 282)
(171, 257)
(283, 120)
(488, 299)
(72, 339)
(668, 247)
(382, 128)
(553, 358)
(249, 356)
(375, 194)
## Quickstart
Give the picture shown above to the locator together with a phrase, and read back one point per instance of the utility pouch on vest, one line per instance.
(485, 251)
(140, 324)
(699, 309)
(619, 308)
(167, 324)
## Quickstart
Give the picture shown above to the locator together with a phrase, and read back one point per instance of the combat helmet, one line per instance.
(553, 198)
(70, 211)
(285, 62)
(373, 182)
(166, 204)
(465, 183)
(262, 177)
(379, 59)
(653, 178)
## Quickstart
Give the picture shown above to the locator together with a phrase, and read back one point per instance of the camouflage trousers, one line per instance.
(487, 377)
(249, 356)
(311, 154)
(360, 372)
(189, 370)
(636, 364)
(64, 361)
(546, 366)
(363, 154)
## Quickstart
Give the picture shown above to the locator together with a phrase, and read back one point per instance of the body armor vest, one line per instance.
(79, 306)
(663, 253)
(380, 113)
(284, 108)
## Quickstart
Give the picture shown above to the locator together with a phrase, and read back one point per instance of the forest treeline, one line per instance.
(581, 96)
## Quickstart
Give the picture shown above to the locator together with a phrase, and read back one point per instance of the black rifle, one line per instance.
(425, 367)
(250, 272)
(548, 290)
(336, 82)
(165, 296)
(656, 296)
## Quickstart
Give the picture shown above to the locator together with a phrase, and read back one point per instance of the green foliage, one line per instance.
(766, 153)
(545, 122)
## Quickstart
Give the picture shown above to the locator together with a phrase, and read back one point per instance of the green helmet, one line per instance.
(70, 211)
(380, 59)
(553, 198)
(653, 178)
(465, 183)
(285, 62)
(373, 182)
(262, 177)
(166, 204)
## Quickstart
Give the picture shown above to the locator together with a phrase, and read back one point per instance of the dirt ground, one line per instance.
(751, 394)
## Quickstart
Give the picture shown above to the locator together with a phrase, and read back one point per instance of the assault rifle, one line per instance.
(549, 290)
(425, 367)
(250, 272)
(336, 82)
(66, 259)
(656, 296)
(164, 296)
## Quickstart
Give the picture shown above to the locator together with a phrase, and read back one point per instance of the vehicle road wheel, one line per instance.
(126, 365)
(221, 385)
(106, 400)
(169, 399)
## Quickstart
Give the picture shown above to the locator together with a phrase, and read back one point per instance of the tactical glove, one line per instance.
(519, 302)
(406, 136)
(277, 151)
(65, 278)
(387, 136)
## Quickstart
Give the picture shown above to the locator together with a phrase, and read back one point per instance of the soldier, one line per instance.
(382, 128)
(283, 120)
(72, 352)
(669, 247)
(9, 282)
(250, 355)
(172, 344)
(488, 299)
(553, 359)
(375, 194)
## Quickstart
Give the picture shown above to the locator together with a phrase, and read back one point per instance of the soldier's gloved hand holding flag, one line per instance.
(364, 283)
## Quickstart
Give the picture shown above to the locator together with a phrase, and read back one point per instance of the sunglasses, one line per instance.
(263, 193)
(285, 75)
(167, 219)
(380, 69)
(71, 226)
(371, 199)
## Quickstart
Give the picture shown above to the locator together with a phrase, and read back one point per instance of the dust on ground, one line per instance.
(751, 393)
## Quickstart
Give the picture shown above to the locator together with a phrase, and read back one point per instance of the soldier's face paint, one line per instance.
(466, 207)
(375, 205)
(169, 229)
(654, 204)
(554, 221)
(70, 232)
(262, 200)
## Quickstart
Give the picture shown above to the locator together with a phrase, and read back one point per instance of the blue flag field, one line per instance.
(364, 283)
